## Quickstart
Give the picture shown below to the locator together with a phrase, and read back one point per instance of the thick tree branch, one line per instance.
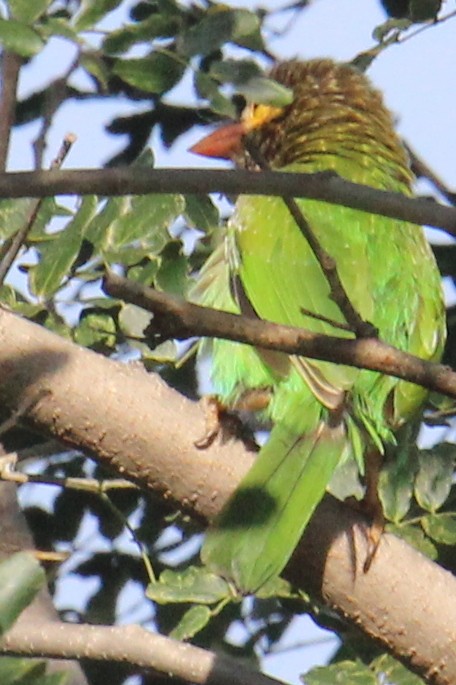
(180, 319)
(325, 186)
(128, 644)
(134, 423)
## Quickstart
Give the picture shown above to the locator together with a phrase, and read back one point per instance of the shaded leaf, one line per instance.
(96, 66)
(342, 673)
(21, 577)
(218, 26)
(155, 74)
(262, 90)
(200, 212)
(396, 484)
(95, 329)
(441, 527)
(133, 320)
(208, 88)
(26, 11)
(19, 38)
(165, 353)
(91, 12)
(173, 271)
(58, 256)
(194, 620)
(415, 537)
(194, 584)
(147, 221)
(434, 478)
(394, 672)
(155, 26)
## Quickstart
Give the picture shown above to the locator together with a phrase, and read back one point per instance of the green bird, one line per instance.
(322, 414)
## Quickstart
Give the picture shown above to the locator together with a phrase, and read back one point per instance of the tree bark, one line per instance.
(133, 422)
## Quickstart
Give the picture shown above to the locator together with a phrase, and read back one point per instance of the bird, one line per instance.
(323, 415)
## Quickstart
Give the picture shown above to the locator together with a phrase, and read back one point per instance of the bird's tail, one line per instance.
(255, 534)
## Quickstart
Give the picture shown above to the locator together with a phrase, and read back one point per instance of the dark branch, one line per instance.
(361, 328)
(180, 319)
(325, 186)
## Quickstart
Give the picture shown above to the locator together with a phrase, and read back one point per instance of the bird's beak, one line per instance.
(224, 143)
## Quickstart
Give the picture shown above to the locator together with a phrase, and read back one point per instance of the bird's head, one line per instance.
(334, 111)
(227, 141)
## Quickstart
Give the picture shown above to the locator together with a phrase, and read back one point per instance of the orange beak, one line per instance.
(224, 143)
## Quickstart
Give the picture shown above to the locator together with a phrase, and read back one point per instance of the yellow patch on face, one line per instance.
(255, 116)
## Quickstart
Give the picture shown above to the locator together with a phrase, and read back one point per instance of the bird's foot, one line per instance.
(220, 422)
(372, 507)
(374, 535)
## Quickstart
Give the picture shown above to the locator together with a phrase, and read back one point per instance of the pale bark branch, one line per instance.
(128, 644)
(133, 422)
(180, 319)
(325, 186)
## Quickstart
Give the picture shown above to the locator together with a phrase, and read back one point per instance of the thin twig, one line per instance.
(181, 319)
(10, 248)
(325, 319)
(422, 170)
(10, 67)
(56, 93)
(361, 328)
(91, 485)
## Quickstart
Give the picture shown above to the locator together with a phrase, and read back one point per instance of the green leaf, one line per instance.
(194, 620)
(57, 26)
(415, 537)
(342, 673)
(155, 74)
(200, 212)
(19, 38)
(146, 221)
(391, 671)
(218, 26)
(396, 484)
(173, 271)
(91, 12)
(15, 671)
(14, 214)
(441, 527)
(96, 66)
(195, 584)
(133, 320)
(98, 229)
(145, 272)
(155, 26)
(27, 11)
(95, 329)
(165, 353)
(276, 587)
(435, 475)
(59, 255)
(21, 577)
(234, 71)
(208, 88)
(266, 91)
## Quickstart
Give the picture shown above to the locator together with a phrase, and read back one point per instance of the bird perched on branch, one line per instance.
(322, 414)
